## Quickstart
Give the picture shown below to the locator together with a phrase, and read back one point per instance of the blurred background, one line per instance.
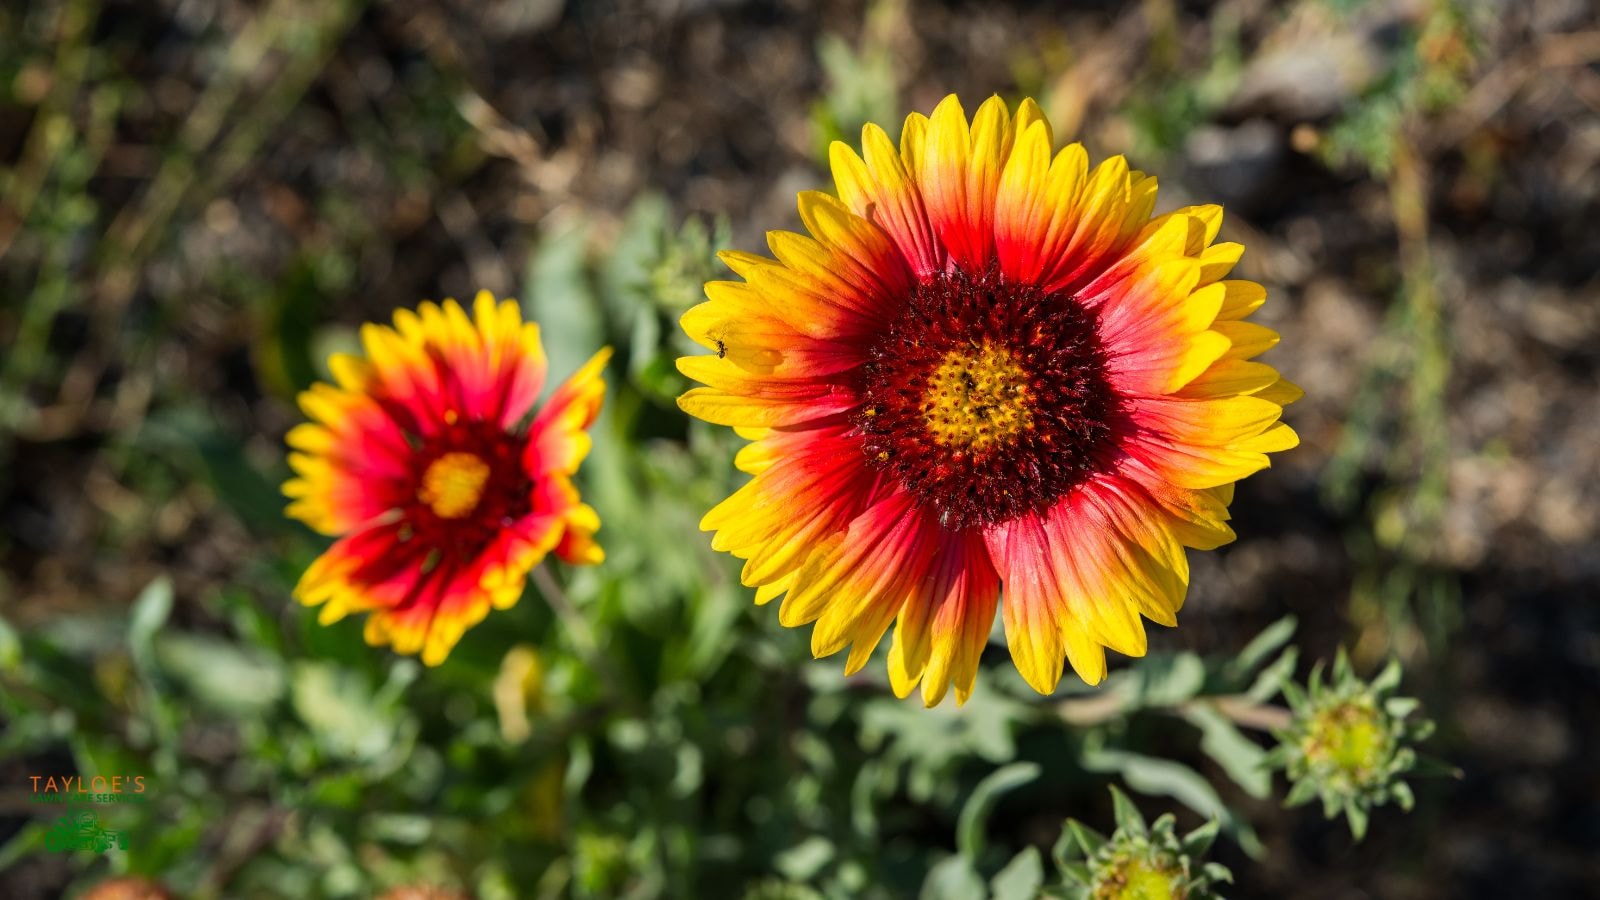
(200, 200)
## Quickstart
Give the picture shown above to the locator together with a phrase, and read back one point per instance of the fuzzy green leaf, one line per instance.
(1089, 841)
(1170, 680)
(150, 612)
(1020, 879)
(1298, 701)
(969, 826)
(1356, 815)
(1198, 841)
(1274, 677)
(1127, 815)
(1401, 792)
(1302, 793)
(1401, 707)
(1242, 758)
(1218, 872)
(1262, 646)
(1388, 679)
(953, 878)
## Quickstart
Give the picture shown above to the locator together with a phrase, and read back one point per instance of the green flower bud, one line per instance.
(1349, 743)
(1138, 861)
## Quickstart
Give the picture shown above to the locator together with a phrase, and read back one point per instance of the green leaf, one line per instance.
(1331, 804)
(10, 647)
(1089, 841)
(1401, 707)
(1301, 793)
(1242, 758)
(26, 842)
(246, 490)
(198, 445)
(1275, 677)
(1077, 873)
(1021, 879)
(1356, 815)
(804, 860)
(1197, 842)
(1341, 667)
(969, 826)
(1161, 777)
(1314, 682)
(150, 612)
(221, 674)
(1170, 680)
(559, 295)
(339, 707)
(1428, 767)
(1296, 697)
(1127, 815)
(953, 878)
(1401, 792)
(1388, 679)
(1262, 646)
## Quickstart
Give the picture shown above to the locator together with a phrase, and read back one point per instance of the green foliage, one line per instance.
(860, 82)
(1172, 100)
(1426, 74)
(1394, 453)
(629, 730)
(663, 738)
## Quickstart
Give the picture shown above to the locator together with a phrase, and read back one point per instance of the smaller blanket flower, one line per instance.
(444, 486)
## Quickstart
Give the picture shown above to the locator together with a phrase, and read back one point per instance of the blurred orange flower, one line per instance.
(419, 461)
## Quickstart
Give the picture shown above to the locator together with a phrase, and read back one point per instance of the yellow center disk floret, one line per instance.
(453, 484)
(977, 397)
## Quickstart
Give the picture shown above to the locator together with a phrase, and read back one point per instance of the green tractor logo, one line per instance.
(83, 832)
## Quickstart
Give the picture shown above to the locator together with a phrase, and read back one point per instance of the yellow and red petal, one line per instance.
(959, 173)
(1078, 578)
(943, 626)
(560, 432)
(853, 584)
(879, 189)
(776, 520)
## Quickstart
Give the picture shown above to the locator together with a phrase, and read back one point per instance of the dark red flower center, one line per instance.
(469, 486)
(988, 398)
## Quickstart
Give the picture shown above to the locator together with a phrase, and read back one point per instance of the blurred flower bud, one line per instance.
(128, 888)
(422, 892)
(519, 692)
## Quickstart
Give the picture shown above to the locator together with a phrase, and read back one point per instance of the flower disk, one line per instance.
(987, 399)
(986, 366)
(419, 462)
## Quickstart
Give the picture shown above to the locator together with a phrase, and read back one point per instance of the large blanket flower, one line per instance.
(443, 485)
(986, 370)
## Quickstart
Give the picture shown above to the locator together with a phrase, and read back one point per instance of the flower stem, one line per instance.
(578, 629)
